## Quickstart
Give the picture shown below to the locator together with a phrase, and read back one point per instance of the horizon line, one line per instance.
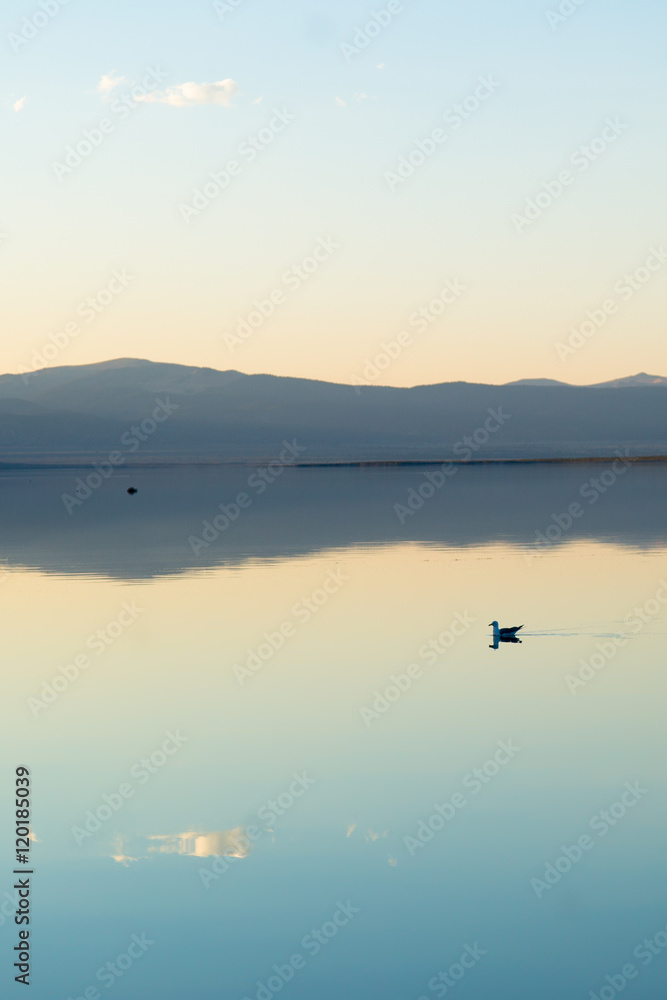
(527, 382)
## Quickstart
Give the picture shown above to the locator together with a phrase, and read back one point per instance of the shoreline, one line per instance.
(13, 466)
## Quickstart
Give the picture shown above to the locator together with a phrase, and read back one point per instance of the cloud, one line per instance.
(123, 859)
(20, 104)
(109, 82)
(190, 95)
(351, 829)
(220, 843)
(340, 102)
(119, 854)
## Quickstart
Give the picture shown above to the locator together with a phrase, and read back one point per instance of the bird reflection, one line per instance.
(497, 639)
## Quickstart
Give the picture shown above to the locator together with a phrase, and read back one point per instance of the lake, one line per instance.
(273, 751)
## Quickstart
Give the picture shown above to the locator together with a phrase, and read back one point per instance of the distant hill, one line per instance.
(85, 412)
(633, 382)
(538, 382)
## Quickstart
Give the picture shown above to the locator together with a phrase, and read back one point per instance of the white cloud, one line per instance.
(123, 859)
(220, 843)
(189, 95)
(341, 103)
(20, 104)
(109, 82)
(381, 65)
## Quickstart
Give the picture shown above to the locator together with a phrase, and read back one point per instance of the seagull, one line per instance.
(504, 633)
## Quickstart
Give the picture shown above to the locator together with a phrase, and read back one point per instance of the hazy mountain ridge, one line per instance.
(227, 415)
(631, 382)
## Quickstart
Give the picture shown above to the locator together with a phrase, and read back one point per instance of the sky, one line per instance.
(454, 191)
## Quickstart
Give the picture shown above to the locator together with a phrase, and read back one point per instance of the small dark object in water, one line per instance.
(132, 491)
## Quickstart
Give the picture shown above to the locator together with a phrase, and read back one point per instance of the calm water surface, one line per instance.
(292, 765)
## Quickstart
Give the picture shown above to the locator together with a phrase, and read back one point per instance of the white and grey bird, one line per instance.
(504, 633)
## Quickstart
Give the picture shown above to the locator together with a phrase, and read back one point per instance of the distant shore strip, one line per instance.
(89, 462)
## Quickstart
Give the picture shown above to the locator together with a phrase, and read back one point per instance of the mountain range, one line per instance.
(156, 412)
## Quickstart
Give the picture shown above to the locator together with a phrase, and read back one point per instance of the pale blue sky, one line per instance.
(324, 175)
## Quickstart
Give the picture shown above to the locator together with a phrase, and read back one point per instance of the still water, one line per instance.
(287, 762)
